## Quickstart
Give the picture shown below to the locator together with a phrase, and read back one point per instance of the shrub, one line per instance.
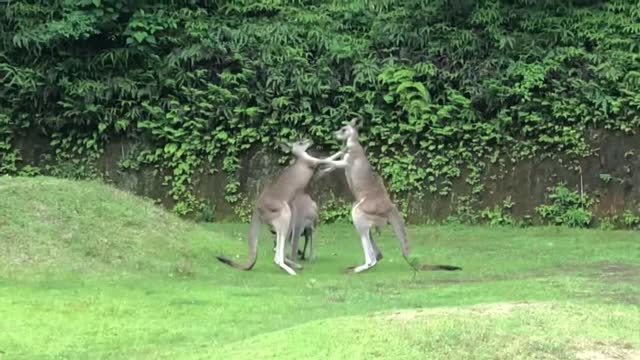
(567, 207)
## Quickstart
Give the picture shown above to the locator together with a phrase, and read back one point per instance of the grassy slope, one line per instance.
(58, 227)
(90, 272)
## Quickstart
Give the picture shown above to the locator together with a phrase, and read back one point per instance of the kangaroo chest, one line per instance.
(352, 172)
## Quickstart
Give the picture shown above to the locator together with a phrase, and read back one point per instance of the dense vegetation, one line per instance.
(441, 85)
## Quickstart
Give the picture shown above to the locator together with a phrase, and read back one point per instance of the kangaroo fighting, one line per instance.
(373, 207)
(272, 207)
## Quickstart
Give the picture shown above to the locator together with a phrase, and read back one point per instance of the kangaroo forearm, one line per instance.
(335, 156)
(340, 164)
(320, 173)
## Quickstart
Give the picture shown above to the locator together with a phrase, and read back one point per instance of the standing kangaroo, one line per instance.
(373, 207)
(272, 206)
(304, 218)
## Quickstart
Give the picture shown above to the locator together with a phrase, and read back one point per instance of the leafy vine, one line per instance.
(442, 85)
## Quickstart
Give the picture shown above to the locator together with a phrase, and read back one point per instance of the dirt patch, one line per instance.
(609, 352)
(495, 309)
(403, 316)
(504, 308)
(612, 273)
(188, 302)
(604, 271)
(423, 283)
(334, 294)
(607, 273)
(619, 272)
(460, 281)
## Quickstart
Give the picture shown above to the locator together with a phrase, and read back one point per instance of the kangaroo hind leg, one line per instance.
(363, 227)
(376, 251)
(281, 224)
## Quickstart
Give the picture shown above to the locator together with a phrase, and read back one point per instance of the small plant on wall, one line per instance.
(566, 207)
(631, 220)
(499, 215)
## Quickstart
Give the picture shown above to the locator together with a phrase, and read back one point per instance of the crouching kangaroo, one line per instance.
(304, 219)
(272, 207)
(373, 207)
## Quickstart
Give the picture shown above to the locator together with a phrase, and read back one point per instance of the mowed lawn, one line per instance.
(89, 272)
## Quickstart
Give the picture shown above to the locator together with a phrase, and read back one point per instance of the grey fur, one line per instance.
(303, 222)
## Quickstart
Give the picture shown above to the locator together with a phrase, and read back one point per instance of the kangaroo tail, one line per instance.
(253, 242)
(440, 267)
(395, 219)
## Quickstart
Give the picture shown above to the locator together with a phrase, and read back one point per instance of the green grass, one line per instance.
(88, 272)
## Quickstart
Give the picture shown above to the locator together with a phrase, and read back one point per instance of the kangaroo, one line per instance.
(272, 207)
(373, 207)
(304, 218)
(307, 217)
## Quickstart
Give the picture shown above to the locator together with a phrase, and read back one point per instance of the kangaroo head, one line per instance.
(299, 148)
(348, 130)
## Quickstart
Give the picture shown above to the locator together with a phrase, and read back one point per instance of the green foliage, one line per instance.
(630, 219)
(207, 212)
(442, 85)
(606, 178)
(608, 223)
(499, 215)
(243, 209)
(464, 212)
(335, 210)
(567, 207)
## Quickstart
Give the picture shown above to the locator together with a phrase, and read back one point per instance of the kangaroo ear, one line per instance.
(356, 123)
(285, 147)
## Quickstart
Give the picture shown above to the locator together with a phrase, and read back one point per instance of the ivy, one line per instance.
(445, 87)
(566, 207)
